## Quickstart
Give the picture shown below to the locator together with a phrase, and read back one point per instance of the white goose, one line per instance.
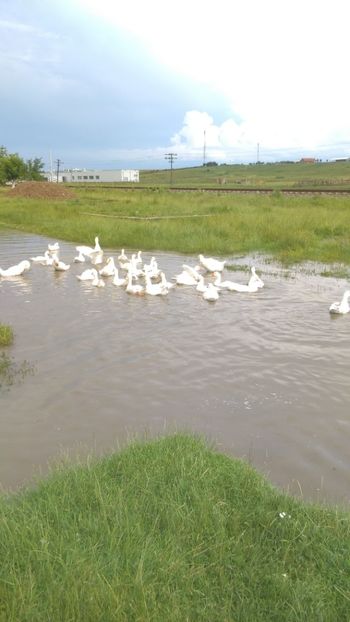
(88, 250)
(255, 278)
(60, 266)
(152, 268)
(97, 282)
(166, 283)
(138, 259)
(211, 293)
(53, 248)
(16, 270)
(134, 289)
(192, 271)
(118, 281)
(87, 275)
(343, 306)
(234, 287)
(96, 258)
(210, 264)
(201, 287)
(49, 261)
(80, 258)
(154, 289)
(122, 256)
(185, 278)
(109, 269)
(41, 258)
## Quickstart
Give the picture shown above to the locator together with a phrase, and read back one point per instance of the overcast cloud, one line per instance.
(101, 84)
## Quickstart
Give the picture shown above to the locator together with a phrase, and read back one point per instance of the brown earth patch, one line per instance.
(41, 190)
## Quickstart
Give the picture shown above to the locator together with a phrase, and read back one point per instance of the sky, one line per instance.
(108, 84)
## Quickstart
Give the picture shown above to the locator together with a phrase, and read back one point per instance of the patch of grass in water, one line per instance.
(238, 267)
(6, 335)
(337, 273)
(11, 372)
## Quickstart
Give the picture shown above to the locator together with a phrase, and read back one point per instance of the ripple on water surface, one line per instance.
(264, 374)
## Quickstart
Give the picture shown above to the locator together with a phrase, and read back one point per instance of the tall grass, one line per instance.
(290, 228)
(170, 530)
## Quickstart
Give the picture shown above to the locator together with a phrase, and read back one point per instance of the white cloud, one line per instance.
(282, 67)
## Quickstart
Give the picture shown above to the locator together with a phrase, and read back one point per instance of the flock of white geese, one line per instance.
(141, 279)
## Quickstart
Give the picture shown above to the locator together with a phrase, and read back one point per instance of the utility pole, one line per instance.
(58, 162)
(257, 153)
(171, 157)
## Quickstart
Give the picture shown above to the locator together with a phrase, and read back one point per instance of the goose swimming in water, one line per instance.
(201, 287)
(256, 279)
(210, 264)
(192, 271)
(41, 258)
(53, 248)
(16, 270)
(166, 283)
(109, 269)
(88, 250)
(80, 258)
(60, 266)
(96, 258)
(122, 256)
(134, 289)
(343, 306)
(152, 269)
(138, 259)
(155, 289)
(252, 287)
(87, 275)
(211, 293)
(185, 278)
(118, 281)
(97, 282)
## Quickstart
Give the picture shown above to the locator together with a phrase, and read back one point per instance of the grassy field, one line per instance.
(289, 228)
(323, 175)
(170, 530)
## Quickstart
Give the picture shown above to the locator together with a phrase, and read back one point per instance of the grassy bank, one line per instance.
(290, 228)
(170, 530)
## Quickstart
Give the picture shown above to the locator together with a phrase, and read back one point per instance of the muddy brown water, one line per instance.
(264, 376)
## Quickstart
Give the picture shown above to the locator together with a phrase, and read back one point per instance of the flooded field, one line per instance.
(265, 376)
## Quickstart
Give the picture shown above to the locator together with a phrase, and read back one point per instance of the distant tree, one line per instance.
(34, 169)
(12, 168)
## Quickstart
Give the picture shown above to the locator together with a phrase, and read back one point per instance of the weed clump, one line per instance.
(6, 335)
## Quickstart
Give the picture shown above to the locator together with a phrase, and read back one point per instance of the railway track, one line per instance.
(220, 190)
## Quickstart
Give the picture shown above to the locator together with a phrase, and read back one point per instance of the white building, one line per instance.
(84, 175)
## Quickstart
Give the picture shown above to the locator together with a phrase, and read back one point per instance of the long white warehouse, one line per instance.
(84, 175)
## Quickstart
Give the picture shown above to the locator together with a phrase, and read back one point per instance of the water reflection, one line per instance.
(265, 375)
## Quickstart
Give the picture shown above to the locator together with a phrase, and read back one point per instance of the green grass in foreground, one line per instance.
(170, 530)
(6, 335)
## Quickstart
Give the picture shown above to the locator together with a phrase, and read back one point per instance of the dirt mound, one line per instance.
(41, 190)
